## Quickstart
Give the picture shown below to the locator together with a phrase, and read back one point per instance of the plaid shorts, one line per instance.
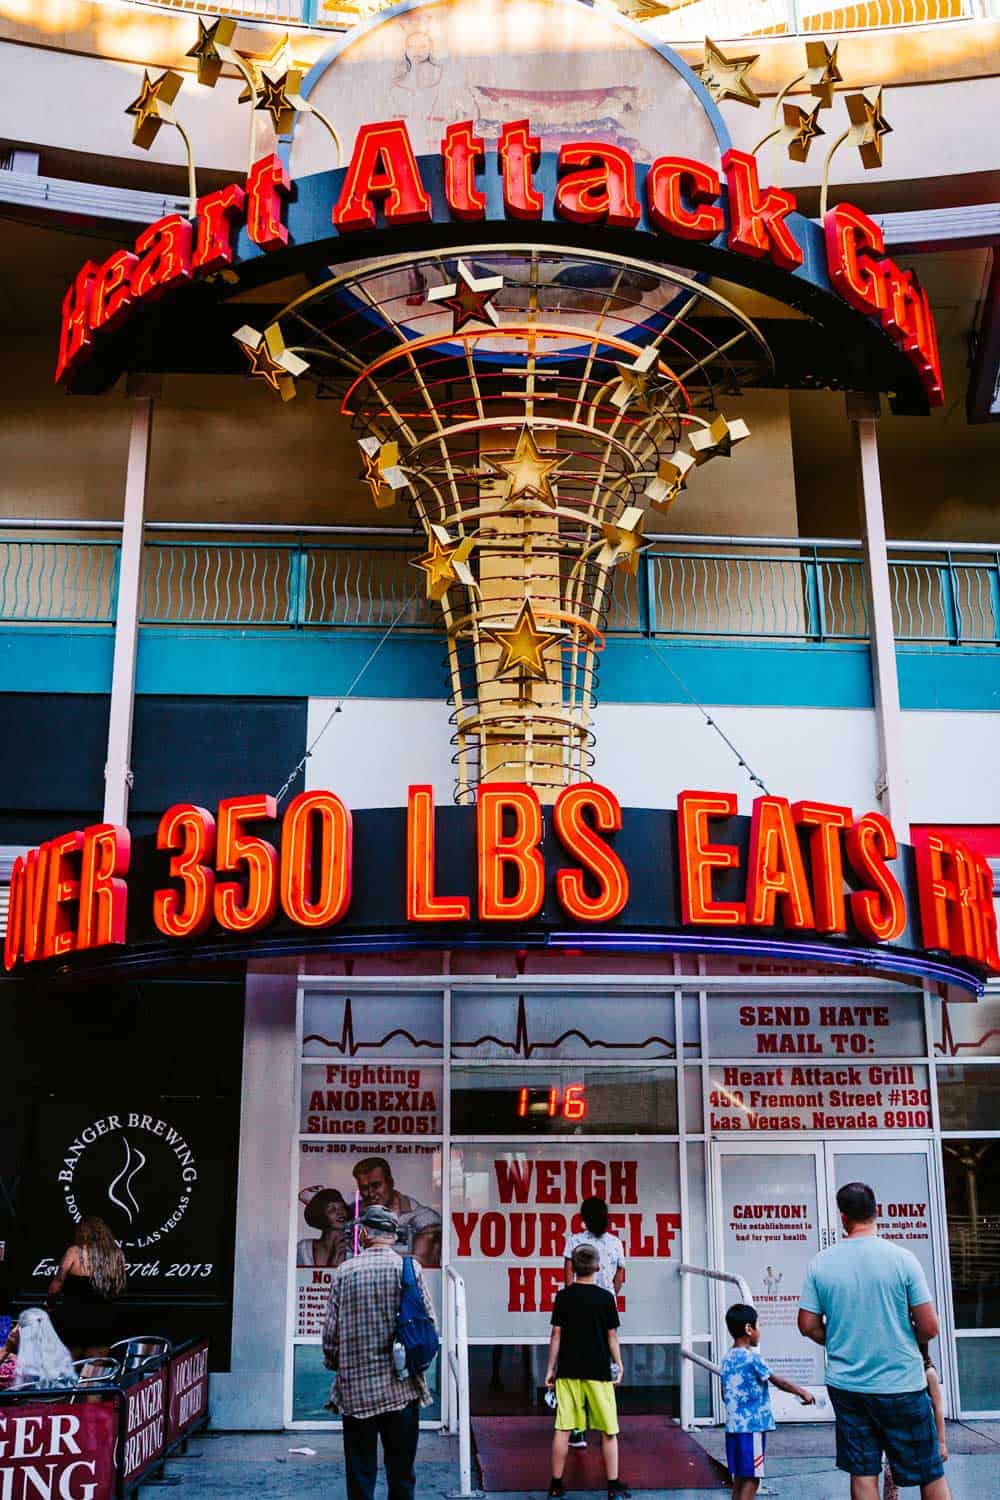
(900, 1426)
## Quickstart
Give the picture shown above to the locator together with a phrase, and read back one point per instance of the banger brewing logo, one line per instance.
(134, 1170)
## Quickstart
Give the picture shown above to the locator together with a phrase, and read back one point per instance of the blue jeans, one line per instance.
(399, 1431)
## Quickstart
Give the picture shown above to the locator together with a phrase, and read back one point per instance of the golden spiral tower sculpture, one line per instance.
(530, 405)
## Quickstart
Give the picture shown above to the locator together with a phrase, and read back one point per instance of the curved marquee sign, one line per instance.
(807, 880)
(726, 223)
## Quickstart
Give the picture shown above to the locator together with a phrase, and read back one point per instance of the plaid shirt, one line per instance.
(359, 1333)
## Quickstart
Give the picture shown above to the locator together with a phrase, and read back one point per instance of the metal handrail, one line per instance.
(688, 1356)
(456, 1373)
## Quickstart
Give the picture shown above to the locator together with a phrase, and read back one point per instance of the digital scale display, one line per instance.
(569, 1103)
(505, 1102)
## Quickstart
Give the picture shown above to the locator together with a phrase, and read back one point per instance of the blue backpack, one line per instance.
(415, 1329)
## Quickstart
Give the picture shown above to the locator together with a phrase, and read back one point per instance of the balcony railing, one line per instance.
(710, 587)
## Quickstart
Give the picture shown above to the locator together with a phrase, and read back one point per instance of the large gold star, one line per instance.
(718, 439)
(213, 48)
(868, 125)
(633, 382)
(278, 61)
(279, 96)
(382, 473)
(726, 77)
(469, 300)
(527, 472)
(446, 563)
(800, 129)
(270, 360)
(153, 107)
(668, 481)
(523, 645)
(623, 541)
(822, 72)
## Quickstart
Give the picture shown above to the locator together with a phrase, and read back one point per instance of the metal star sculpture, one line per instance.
(279, 96)
(213, 48)
(822, 72)
(726, 77)
(623, 541)
(523, 645)
(270, 360)
(868, 125)
(633, 382)
(278, 60)
(800, 129)
(718, 439)
(469, 300)
(446, 563)
(670, 478)
(382, 473)
(527, 472)
(153, 108)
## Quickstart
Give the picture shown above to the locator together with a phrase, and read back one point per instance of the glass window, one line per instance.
(312, 1382)
(972, 1199)
(336, 1182)
(786, 1028)
(509, 1380)
(977, 1374)
(563, 1101)
(968, 1097)
(371, 1098)
(750, 1098)
(693, 1102)
(603, 1026)
(394, 1023)
(964, 1030)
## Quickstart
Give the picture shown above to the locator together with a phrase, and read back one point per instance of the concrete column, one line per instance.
(890, 783)
(117, 767)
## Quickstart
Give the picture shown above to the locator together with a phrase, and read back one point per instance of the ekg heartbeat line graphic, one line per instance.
(523, 1046)
(350, 1046)
(948, 1047)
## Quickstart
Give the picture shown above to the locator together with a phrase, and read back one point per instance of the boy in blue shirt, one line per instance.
(745, 1381)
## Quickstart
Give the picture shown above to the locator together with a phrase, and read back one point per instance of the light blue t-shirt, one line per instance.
(865, 1287)
(745, 1392)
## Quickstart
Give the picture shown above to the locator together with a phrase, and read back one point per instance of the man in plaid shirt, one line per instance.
(358, 1336)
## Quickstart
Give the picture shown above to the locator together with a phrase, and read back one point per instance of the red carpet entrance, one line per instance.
(513, 1455)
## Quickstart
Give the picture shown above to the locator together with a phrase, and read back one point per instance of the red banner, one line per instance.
(188, 1374)
(58, 1450)
(145, 1426)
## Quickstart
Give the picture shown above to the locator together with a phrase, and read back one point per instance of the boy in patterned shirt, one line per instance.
(745, 1381)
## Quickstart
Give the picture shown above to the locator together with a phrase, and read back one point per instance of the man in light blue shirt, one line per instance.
(867, 1301)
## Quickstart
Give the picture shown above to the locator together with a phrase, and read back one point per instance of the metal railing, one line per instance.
(688, 1356)
(456, 1376)
(345, 578)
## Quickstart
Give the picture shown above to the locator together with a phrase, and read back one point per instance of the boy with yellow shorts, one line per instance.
(585, 1365)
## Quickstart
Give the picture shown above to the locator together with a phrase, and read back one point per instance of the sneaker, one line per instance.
(618, 1490)
(578, 1440)
(557, 1490)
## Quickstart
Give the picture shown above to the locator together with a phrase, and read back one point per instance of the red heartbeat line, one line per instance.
(948, 1047)
(522, 1046)
(349, 1047)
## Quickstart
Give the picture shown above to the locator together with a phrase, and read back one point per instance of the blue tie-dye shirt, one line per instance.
(745, 1391)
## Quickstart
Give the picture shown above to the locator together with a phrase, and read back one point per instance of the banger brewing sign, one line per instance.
(58, 1450)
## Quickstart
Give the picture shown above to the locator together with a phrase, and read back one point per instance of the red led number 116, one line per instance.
(571, 1104)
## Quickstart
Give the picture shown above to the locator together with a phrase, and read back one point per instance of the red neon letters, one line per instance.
(382, 173)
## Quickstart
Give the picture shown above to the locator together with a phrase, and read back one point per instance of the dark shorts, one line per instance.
(900, 1426)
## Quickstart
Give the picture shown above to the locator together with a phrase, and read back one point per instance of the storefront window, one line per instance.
(972, 1198)
(553, 1023)
(509, 1380)
(977, 1374)
(563, 1101)
(967, 1029)
(795, 1029)
(968, 1096)
(390, 1023)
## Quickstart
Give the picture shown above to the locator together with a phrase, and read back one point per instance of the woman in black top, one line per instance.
(90, 1277)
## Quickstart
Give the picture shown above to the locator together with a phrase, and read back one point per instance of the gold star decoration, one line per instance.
(623, 541)
(528, 472)
(278, 61)
(726, 77)
(523, 645)
(270, 360)
(279, 96)
(868, 125)
(670, 478)
(468, 299)
(213, 48)
(446, 563)
(382, 473)
(800, 129)
(822, 71)
(718, 439)
(633, 382)
(153, 107)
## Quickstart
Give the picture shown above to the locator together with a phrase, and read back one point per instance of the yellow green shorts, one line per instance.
(586, 1403)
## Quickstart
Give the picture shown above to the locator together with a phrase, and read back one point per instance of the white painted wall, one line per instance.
(951, 764)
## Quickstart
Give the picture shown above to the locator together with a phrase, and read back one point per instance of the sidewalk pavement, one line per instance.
(800, 1466)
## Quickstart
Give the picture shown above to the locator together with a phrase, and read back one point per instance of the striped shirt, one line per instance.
(359, 1333)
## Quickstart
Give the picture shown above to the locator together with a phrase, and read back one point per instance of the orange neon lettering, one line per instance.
(251, 902)
(164, 251)
(879, 913)
(218, 215)
(517, 852)
(596, 856)
(36, 873)
(112, 297)
(988, 912)
(519, 153)
(103, 890)
(75, 334)
(757, 216)
(62, 888)
(853, 244)
(463, 152)
(965, 928)
(602, 191)
(423, 904)
(383, 173)
(699, 858)
(188, 832)
(268, 186)
(775, 871)
(935, 890)
(826, 859)
(317, 835)
(13, 940)
(683, 198)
